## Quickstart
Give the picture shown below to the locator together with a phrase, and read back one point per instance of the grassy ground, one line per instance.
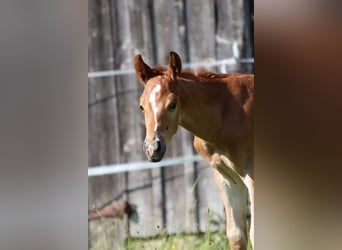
(182, 241)
(110, 229)
(208, 241)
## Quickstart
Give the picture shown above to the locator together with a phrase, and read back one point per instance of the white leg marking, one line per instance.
(154, 105)
(237, 204)
(234, 196)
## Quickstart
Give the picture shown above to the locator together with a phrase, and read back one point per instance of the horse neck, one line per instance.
(201, 108)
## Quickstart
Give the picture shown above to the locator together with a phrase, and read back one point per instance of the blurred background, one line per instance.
(216, 35)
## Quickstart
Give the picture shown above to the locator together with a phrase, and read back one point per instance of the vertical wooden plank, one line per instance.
(190, 182)
(98, 108)
(167, 29)
(190, 188)
(103, 125)
(248, 45)
(201, 30)
(230, 28)
(175, 190)
(210, 203)
(200, 26)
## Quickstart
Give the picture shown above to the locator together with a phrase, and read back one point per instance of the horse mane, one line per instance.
(201, 75)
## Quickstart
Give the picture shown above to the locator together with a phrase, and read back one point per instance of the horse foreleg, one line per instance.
(234, 195)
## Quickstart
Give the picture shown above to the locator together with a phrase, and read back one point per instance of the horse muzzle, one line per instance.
(155, 150)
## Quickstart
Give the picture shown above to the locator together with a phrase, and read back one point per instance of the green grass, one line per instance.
(110, 229)
(207, 241)
(163, 241)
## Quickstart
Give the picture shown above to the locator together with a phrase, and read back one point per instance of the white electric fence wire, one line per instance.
(136, 166)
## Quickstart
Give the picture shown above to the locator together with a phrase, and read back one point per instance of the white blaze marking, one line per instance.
(152, 100)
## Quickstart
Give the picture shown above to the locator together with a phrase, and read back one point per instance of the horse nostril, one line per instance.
(156, 145)
(167, 127)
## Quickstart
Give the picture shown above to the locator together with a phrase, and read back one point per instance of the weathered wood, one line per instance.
(230, 24)
(210, 203)
(166, 28)
(103, 125)
(201, 30)
(248, 44)
(190, 222)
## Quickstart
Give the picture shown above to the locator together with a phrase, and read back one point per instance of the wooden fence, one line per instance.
(175, 198)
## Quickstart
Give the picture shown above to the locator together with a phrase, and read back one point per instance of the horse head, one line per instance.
(160, 104)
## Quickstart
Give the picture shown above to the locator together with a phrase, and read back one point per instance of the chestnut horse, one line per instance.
(218, 110)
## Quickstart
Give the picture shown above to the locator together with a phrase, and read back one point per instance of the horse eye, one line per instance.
(172, 106)
(142, 109)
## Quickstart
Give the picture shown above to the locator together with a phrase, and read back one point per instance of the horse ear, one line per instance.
(144, 72)
(175, 65)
